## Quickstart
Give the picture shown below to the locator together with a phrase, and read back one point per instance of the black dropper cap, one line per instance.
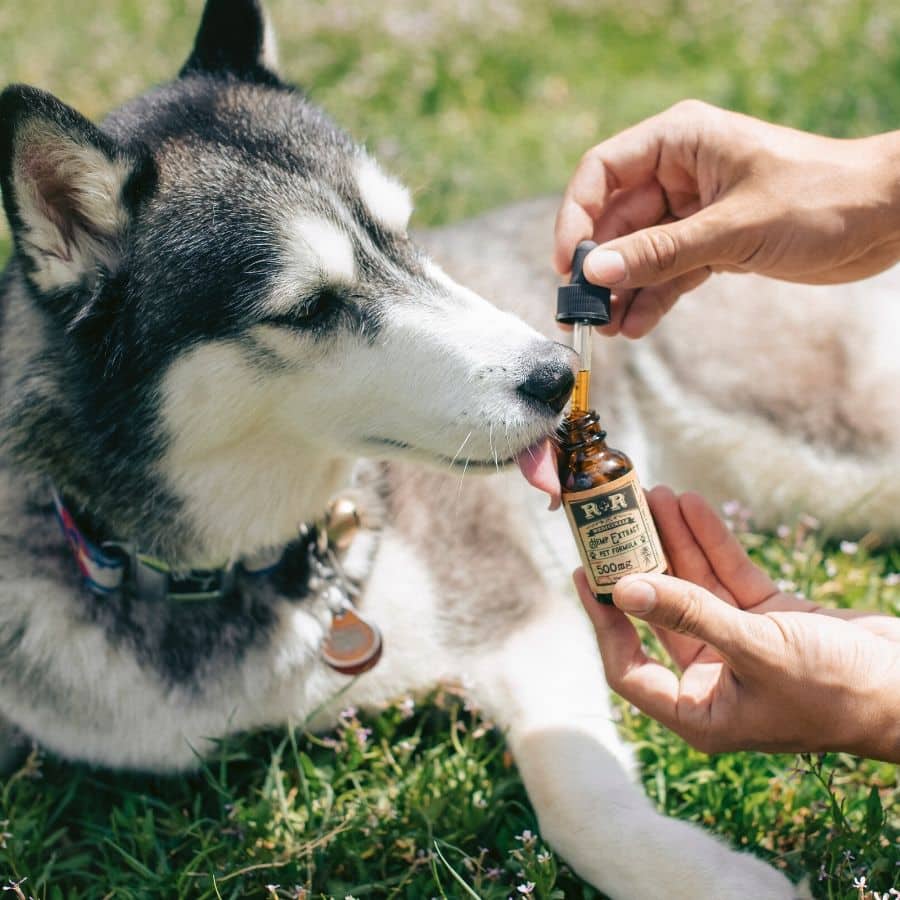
(579, 300)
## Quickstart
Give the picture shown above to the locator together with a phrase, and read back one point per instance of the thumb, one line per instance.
(663, 252)
(686, 608)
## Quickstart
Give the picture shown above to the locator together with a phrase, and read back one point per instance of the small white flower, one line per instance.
(892, 580)
(859, 883)
(849, 547)
(543, 857)
(526, 888)
(783, 532)
(526, 838)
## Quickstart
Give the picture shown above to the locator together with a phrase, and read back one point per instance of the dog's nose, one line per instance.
(549, 382)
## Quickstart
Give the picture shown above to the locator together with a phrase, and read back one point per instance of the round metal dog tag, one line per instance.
(353, 645)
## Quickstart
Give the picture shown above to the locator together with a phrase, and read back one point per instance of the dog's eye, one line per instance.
(318, 305)
(311, 312)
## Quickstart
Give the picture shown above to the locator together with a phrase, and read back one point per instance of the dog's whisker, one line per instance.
(493, 448)
(460, 450)
(461, 477)
(509, 445)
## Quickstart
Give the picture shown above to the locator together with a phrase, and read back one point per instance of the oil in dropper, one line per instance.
(601, 495)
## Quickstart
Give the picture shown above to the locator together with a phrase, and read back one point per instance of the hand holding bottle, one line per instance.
(760, 669)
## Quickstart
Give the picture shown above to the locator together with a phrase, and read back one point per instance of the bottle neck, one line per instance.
(581, 429)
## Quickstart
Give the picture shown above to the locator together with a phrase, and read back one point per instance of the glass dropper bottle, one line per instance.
(601, 495)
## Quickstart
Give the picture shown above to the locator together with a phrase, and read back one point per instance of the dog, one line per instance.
(216, 331)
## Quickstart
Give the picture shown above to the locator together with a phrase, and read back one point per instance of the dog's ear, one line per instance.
(68, 189)
(234, 38)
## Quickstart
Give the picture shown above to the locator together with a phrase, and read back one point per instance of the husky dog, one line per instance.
(214, 322)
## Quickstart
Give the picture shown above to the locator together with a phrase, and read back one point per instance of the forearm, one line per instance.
(875, 731)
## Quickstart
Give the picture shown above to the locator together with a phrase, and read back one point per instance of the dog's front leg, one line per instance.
(545, 686)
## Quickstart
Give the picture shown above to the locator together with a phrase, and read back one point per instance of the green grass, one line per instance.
(414, 802)
(472, 105)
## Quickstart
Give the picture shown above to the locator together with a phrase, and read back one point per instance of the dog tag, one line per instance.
(352, 646)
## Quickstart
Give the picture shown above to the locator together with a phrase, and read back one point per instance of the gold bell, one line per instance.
(341, 522)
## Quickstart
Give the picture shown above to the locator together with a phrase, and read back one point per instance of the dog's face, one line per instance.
(223, 247)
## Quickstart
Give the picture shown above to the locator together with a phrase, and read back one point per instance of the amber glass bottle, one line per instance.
(601, 494)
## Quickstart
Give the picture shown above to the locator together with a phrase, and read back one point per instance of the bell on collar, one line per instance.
(341, 522)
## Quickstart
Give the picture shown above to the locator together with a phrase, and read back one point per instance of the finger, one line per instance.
(650, 304)
(612, 623)
(663, 252)
(621, 300)
(686, 560)
(745, 581)
(573, 225)
(618, 308)
(629, 211)
(687, 608)
(624, 161)
(683, 550)
(649, 685)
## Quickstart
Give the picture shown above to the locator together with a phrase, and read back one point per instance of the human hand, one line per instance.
(699, 189)
(761, 669)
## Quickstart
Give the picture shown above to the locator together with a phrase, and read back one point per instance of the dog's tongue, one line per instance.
(539, 466)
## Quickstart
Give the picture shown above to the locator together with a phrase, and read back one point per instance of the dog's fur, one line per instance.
(213, 313)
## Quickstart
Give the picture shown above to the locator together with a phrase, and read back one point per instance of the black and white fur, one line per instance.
(213, 317)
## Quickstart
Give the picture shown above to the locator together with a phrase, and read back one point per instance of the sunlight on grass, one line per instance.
(472, 105)
(419, 799)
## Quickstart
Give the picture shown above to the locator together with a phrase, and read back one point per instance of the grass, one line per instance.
(472, 105)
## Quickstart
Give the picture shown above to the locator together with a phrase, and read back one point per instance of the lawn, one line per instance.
(472, 104)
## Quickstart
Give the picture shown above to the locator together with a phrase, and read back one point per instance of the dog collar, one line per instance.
(352, 645)
(114, 565)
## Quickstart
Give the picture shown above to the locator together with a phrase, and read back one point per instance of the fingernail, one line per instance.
(635, 596)
(606, 267)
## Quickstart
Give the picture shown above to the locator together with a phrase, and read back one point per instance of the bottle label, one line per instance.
(614, 532)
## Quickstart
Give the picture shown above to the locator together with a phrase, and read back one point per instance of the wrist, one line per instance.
(874, 730)
(884, 154)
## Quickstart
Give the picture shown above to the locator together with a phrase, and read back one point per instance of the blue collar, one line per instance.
(352, 645)
(112, 566)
